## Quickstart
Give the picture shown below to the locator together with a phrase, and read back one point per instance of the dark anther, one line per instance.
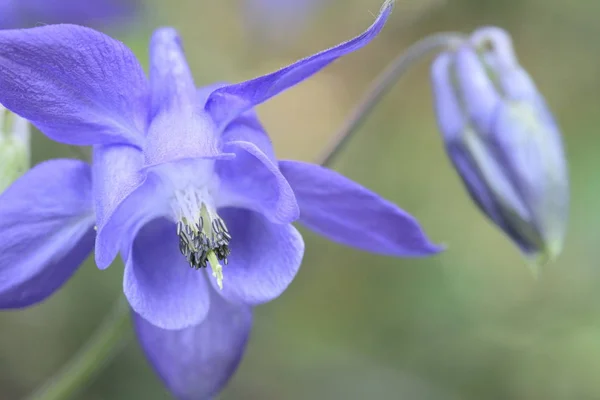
(196, 245)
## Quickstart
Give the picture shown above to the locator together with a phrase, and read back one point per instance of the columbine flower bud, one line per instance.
(14, 147)
(503, 141)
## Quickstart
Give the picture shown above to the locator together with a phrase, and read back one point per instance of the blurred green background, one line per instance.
(467, 324)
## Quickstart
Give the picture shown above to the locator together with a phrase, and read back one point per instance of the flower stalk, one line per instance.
(110, 338)
(382, 84)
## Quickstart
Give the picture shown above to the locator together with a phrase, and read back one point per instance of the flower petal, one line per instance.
(247, 128)
(170, 77)
(253, 181)
(264, 259)
(478, 94)
(9, 15)
(229, 102)
(204, 92)
(196, 363)
(159, 284)
(450, 118)
(46, 220)
(182, 135)
(345, 212)
(78, 86)
(97, 13)
(116, 173)
(143, 204)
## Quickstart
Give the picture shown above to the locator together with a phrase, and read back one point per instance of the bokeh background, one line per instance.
(470, 323)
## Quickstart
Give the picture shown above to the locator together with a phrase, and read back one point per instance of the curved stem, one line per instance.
(382, 84)
(107, 341)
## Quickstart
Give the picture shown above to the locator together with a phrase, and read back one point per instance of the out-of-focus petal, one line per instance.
(197, 362)
(46, 220)
(94, 13)
(171, 81)
(345, 212)
(253, 181)
(264, 259)
(229, 102)
(159, 284)
(78, 86)
(450, 119)
(477, 91)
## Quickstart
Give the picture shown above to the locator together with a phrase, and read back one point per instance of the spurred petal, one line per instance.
(345, 212)
(197, 362)
(264, 259)
(227, 103)
(76, 85)
(159, 284)
(253, 181)
(46, 220)
(170, 77)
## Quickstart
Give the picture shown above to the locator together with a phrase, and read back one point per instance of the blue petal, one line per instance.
(531, 150)
(116, 173)
(196, 363)
(473, 178)
(182, 135)
(450, 118)
(264, 260)
(9, 16)
(204, 93)
(145, 203)
(246, 127)
(170, 77)
(345, 212)
(76, 85)
(46, 220)
(477, 91)
(227, 103)
(89, 13)
(159, 284)
(253, 181)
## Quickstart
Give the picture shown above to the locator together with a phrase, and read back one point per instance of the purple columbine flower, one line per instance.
(503, 141)
(185, 177)
(98, 13)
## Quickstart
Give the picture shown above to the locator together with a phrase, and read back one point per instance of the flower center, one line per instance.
(203, 235)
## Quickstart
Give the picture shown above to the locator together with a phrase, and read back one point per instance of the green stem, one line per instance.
(382, 84)
(107, 341)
